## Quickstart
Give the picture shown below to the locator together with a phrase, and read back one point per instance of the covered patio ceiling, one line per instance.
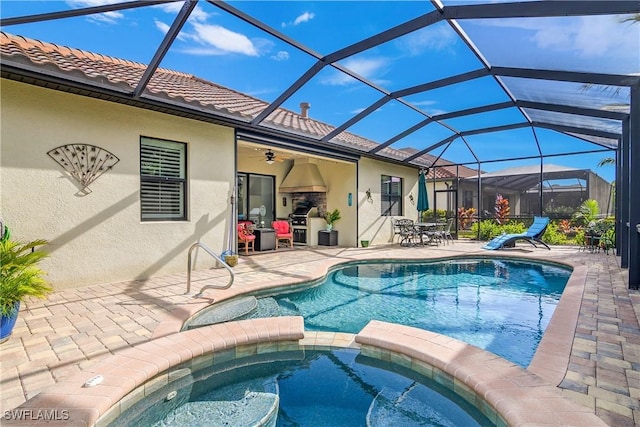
(460, 78)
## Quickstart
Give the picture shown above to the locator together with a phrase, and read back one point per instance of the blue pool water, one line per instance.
(313, 388)
(502, 306)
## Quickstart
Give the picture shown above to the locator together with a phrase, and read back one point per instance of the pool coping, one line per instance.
(550, 360)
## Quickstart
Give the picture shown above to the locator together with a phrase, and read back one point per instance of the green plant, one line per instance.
(554, 236)
(331, 217)
(434, 216)
(20, 276)
(490, 229)
(587, 212)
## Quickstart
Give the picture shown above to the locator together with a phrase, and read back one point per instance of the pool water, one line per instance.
(502, 306)
(315, 388)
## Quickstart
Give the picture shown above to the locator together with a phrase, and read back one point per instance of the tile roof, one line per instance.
(189, 90)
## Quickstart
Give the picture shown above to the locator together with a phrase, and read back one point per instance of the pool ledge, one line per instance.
(132, 373)
(517, 397)
(551, 358)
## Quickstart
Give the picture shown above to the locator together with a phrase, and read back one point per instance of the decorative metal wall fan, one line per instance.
(84, 162)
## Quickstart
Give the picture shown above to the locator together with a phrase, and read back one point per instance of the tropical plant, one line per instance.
(607, 161)
(502, 209)
(587, 212)
(331, 217)
(564, 226)
(465, 216)
(553, 236)
(20, 276)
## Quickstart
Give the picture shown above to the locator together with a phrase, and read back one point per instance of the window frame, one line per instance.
(391, 204)
(148, 143)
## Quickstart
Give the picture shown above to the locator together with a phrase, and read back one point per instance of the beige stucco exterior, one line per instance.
(372, 226)
(98, 237)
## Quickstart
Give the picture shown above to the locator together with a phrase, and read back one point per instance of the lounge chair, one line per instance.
(533, 235)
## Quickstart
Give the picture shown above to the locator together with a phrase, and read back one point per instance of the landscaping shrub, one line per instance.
(490, 229)
(554, 236)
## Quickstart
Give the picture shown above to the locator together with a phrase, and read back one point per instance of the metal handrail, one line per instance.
(217, 258)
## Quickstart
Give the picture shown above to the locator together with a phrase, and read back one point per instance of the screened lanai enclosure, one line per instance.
(518, 99)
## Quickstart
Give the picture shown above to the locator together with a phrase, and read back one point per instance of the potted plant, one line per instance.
(231, 260)
(331, 217)
(20, 278)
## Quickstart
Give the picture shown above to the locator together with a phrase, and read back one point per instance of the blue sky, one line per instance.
(223, 49)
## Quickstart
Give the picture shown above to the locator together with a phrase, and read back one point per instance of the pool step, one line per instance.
(236, 407)
(223, 312)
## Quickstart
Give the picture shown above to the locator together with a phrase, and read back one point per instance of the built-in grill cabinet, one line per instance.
(301, 224)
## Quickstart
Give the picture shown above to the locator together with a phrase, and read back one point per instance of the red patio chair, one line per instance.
(246, 237)
(283, 232)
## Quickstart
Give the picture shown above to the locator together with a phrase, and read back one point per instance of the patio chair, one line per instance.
(533, 235)
(397, 229)
(446, 233)
(408, 232)
(283, 232)
(245, 237)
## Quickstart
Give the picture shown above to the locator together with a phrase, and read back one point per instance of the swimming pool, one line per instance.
(336, 387)
(502, 306)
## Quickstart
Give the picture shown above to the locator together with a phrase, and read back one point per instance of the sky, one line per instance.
(221, 48)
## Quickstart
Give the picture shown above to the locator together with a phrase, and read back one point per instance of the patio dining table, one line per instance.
(430, 230)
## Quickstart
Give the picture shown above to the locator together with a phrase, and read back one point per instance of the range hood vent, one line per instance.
(304, 177)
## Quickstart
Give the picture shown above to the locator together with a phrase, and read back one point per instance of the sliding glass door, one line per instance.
(256, 198)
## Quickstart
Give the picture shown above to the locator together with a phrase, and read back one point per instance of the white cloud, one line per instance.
(197, 14)
(282, 55)
(435, 37)
(164, 28)
(586, 36)
(367, 68)
(106, 17)
(305, 17)
(223, 40)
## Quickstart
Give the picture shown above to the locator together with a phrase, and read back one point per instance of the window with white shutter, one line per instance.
(391, 195)
(163, 170)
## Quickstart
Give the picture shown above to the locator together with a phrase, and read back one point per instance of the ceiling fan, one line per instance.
(270, 157)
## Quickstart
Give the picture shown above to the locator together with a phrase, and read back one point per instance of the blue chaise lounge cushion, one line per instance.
(533, 235)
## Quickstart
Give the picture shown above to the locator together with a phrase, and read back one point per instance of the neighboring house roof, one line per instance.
(524, 178)
(443, 169)
(185, 89)
(533, 169)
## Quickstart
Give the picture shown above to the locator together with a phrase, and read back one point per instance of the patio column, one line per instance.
(634, 189)
(622, 196)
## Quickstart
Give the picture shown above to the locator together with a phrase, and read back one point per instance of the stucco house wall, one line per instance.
(98, 237)
(371, 225)
(340, 178)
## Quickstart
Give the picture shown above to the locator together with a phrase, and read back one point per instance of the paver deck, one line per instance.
(76, 328)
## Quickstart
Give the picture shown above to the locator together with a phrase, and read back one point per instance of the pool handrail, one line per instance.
(217, 258)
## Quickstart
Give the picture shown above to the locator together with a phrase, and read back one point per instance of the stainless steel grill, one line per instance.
(301, 224)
